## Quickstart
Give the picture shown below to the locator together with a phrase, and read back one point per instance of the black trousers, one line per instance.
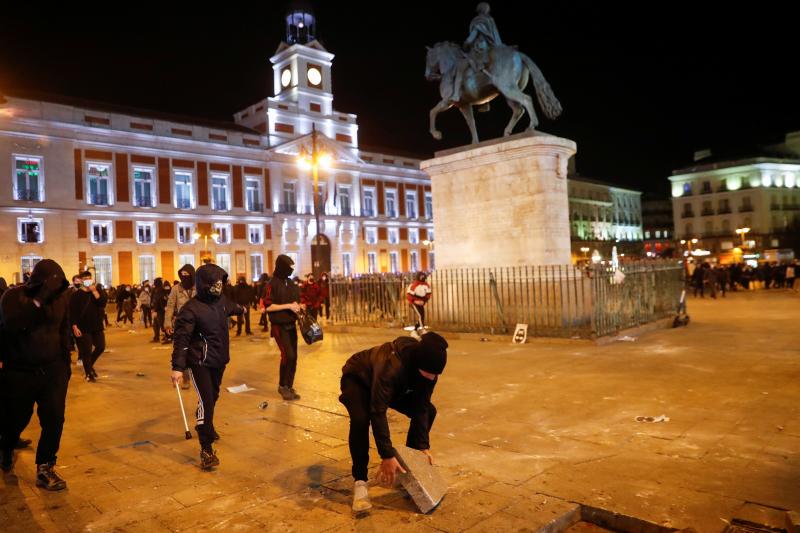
(90, 346)
(356, 399)
(286, 339)
(206, 382)
(158, 323)
(146, 318)
(119, 311)
(19, 391)
(314, 312)
(328, 308)
(420, 309)
(244, 318)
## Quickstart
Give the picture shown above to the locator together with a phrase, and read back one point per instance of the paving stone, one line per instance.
(423, 482)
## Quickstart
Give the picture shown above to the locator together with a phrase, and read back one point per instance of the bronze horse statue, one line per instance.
(507, 72)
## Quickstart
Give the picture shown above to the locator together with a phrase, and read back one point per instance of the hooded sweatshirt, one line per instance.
(35, 328)
(201, 329)
(179, 295)
(281, 290)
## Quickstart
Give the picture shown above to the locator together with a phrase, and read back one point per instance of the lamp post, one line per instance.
(313, 160)
(742, 232)
(688, 243)
(585, 250)
(205, 237)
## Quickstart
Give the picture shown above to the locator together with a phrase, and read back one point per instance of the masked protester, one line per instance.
(418, 294)
(86, 316)
(282, 303)
(201, 344)
(144, 304)
(35, 367)
(243, 294)
(158, 303)
(400, 375)
(311, 296)
(179, 295)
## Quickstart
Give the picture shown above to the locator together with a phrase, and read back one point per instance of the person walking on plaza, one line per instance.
(120, 297)
(791, 275)
(710, 280)
(158, 303)
(400, 375)
(202, 345)
(325, 290)
(311, 296)
(243, 294)
(86, 310)
(697, 280)
(282, 303)
(35, 367)
(179, 295)
(144, 304)
(418, 294)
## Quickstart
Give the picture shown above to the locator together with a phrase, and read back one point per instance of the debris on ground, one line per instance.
(652, 419)
(263, 405)
(625, 338)
(140, 374)
(240, 388)
(484, 339)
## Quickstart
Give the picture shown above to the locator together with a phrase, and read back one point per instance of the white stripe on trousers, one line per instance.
(200, 413)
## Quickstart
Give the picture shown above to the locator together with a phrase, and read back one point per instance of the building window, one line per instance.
(185, 233)
(256, 266)
(223, 232)
(102, 270)
(147, 267)
(687, 189)
(186, 259)
(219, 192)
(393, 262)
(183, 190)
(372, 235)
(346, 264)
(428, 206)
(372, 260)
(431, 261)
(647, 235)
(343, 200)
(27, 263)
(288, 200)
(666, 234)
(145, 232)
(224, 262)
(368, 208)
(394, 236)
(414, 261)
(143, 187)
(30, 230)
(430, 234)
(391, 204)
(99, 177)
(413, 236)
(253, 195)
(411, 204)
(255, 233)
(29, 183)
(102, 232)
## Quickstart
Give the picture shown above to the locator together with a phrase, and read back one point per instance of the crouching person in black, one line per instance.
(400, 375)
(35, 367)
(201, 344)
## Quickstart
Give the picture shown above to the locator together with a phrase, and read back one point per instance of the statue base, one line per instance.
(502, 202)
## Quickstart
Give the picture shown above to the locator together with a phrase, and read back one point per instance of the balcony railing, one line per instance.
(30, 195)
(219, 205)
(687, 214)
(287, 208)
(746, 209)
(144, 201)
(183, 203)
(724, 211)
(345, 212)
(98, 199)
(255, 207)
(367, 212)
(708, 212)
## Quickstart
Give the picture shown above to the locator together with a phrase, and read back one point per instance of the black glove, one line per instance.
(51, 288)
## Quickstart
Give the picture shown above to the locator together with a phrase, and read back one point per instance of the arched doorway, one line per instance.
(320, 255)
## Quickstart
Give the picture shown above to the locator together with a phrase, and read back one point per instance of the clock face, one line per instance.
(286, 77)
(314, 76)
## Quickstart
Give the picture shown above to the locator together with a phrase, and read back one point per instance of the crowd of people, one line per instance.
(720, 279)
(46, 318)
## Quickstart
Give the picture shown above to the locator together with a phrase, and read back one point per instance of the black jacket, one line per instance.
(386, 371)
(201, 329)
(243, 294)
(34, 335)
(281, 291)
(86, 311)
(159, 298)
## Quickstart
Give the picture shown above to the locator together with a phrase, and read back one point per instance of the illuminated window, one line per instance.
(224, 262)
(368, 209)
(145, 233)
(143, 188)
(185, 233)
(256, 266)
(183, 190)
(219, 192)
(255, 233)
(29, 182)
(224, 233)
(102, 232)
(394, 235)
(372, 261)
(413, 236)
(391, 203)
(99, 179)
(253, 195)
(147, 267)
(371, 235)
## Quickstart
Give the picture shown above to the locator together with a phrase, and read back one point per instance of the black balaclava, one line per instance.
(430, 353)
(241, 281)
(209, 281)
(422, 277)
(187, 282)
(284, 266)
(46, 274)
(158, 283)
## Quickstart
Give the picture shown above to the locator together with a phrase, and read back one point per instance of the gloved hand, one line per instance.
(51, 288)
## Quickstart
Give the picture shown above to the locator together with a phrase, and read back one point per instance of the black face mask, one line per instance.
(187, 282)
(283, 267)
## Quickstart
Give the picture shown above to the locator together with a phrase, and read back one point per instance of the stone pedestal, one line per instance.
(502, 202)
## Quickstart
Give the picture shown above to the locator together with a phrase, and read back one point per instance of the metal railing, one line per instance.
(219, 205)
(98, 199)
(254, 207)
(144, 201)
(30, 195)
(287, 208)
(555, 301)
(183, 203)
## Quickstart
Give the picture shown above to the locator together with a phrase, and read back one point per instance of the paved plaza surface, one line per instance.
(523, 433)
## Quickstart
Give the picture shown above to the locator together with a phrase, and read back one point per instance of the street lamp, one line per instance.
(585, 250)
(205, 237)
(743, 232)
(312, 161)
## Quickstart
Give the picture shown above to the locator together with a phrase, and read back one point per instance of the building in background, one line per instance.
(659, 231)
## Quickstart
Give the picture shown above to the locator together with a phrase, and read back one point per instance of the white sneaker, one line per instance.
(361, 501)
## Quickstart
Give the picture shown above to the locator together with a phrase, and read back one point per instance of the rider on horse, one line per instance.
(483, 36)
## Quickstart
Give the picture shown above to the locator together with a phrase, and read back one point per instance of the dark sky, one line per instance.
(642, 85)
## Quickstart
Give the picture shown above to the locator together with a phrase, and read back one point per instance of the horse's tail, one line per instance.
(550, 104)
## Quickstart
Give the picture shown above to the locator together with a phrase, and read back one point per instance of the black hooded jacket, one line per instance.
(201, 329)
(243, 294)
(34, 335)
(391, 377)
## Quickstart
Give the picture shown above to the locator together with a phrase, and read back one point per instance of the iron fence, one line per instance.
(555, 301)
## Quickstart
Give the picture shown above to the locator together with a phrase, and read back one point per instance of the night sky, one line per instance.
(642, 86)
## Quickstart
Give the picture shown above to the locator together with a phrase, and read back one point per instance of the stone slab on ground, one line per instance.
(424, 483)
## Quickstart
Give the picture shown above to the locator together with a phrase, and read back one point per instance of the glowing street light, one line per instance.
(742, 232)
(205, 237)
(312, 161)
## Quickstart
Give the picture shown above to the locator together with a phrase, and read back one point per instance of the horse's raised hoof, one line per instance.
(437, 135)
